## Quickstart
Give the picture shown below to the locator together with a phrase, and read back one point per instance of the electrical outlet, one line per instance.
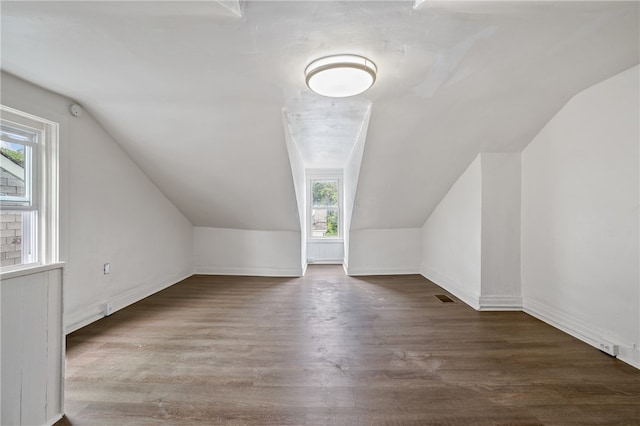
(106, 268)
(108, 308)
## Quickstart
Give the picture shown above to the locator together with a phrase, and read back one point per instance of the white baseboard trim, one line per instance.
(500, 303)
(580, 330)
(451, 286)
(249, 271)
(324, 261)
(76, 320)
(53, 420)
(630, 355)
(95, 311)
(377, 270)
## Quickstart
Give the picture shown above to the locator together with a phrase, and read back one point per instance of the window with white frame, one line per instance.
(28, 190)
(325, 218)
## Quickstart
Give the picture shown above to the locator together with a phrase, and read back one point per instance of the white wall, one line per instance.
(471, 241)
(220, 251)
(32, 362)
(300, 186)
(384, 251)
(451, 238)
(351, 174)
(500, 235)
(374, 251)
(110, 212)
(580, 197)
(327, 252)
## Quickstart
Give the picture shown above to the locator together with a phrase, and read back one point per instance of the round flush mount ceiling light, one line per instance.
(340, 76)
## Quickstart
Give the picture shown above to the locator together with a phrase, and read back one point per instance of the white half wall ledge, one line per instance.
(76, 320)
(32, 270)
(627, 352)
(32, 364)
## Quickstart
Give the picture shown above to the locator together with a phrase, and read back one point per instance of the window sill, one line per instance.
(30, 270)
(325, 240)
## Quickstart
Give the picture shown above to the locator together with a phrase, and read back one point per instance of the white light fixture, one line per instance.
(340, 76)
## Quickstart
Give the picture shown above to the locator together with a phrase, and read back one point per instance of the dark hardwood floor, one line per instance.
(328, 349)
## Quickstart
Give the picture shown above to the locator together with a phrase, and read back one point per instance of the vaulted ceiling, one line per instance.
(195, 92)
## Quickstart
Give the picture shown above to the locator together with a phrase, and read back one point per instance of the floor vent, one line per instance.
(444, 298)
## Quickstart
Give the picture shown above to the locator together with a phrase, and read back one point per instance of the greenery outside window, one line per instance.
(325, 220)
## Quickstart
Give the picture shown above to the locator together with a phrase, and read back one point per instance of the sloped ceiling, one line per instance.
(195, 91)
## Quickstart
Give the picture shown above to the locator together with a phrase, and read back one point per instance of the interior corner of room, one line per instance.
(496, 154)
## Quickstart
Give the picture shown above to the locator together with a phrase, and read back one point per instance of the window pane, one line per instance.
(332, 223)
(13, 171)
(17, 238)
(324, 223)
(325, 193)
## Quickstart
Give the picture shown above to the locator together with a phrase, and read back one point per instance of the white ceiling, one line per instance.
(325, 129)
(201, 87)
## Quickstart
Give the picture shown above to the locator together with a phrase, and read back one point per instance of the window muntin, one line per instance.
(325, 208)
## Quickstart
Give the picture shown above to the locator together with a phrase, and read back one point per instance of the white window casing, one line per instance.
(39, 203)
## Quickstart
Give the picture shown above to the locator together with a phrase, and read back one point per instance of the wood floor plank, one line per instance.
(327, 349)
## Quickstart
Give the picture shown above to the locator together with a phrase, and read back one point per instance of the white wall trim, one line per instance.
(500, 303)
(580, 329)
(82, 318)
(250, 271)
(30, 270)
(386, 270)
(336, 261)
(451, 286)
(95, 311)
(53, 420)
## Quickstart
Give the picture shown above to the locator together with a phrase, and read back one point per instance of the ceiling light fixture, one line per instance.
(340, 76)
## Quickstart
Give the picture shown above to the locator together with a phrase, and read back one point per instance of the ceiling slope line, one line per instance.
(233, 6)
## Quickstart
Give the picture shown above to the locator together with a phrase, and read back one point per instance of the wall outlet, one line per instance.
(108, 308)
(608, 348)
(106, 268)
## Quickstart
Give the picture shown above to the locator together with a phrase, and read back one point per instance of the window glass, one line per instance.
(18, 237)
(13, 173)
(20, 206)
(325, 211)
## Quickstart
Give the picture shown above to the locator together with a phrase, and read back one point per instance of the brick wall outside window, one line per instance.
(10, 223)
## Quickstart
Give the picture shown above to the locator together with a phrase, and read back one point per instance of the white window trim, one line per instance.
(45, 185)
(313, 175)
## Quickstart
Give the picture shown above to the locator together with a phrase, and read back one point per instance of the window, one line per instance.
(325, 220)
(28, 190)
